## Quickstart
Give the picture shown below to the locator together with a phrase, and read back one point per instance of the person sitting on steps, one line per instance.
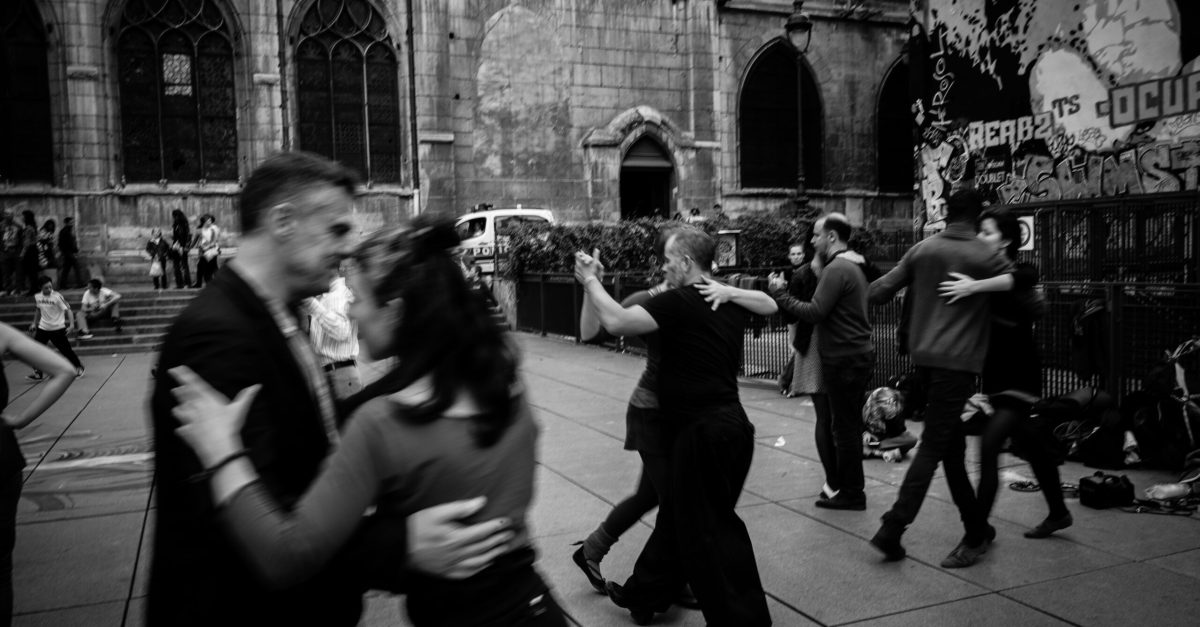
(99, 303)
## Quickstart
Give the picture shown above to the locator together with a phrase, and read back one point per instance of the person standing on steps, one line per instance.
(181, 244)
(52, 320)
(68, 248)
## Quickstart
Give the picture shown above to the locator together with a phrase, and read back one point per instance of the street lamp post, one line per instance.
(799, 33)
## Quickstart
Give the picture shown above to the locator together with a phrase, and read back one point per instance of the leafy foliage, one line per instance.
(628, 246)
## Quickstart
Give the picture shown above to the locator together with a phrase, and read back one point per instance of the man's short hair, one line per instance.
(42, 280)
(695, 244)
(96, 283)
(964, 205)
(838, 223)
(285, 174)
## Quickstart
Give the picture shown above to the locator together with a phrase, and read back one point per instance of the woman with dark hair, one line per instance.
(208, 243)
(30, 268)
(802, 373)
(449, 422)
(1012, 374)
(181, 243)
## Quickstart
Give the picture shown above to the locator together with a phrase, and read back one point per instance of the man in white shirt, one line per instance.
(51, 322)
(334, 336)
(99, 303)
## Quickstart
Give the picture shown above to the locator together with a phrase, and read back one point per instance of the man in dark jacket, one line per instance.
(240, 331)
(68, 247)
(839, 309)
(947, 342)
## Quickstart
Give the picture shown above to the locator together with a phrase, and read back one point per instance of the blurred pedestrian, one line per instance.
(181, 245)
(29, 252)
(334, 335)
(802, 373)
(10, 255)
(208, 243)
(68, 248)
(451, 421)
(52, 321)
(47, 251)
(157, 249)
(12, 462)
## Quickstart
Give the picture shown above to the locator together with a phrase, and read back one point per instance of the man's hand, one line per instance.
(439, 545)
(588, 266)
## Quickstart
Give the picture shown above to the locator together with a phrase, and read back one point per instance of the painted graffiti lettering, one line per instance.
(1065, 106)
(1151, 100)
(982, 135)
(1147, 169)
(944, 79)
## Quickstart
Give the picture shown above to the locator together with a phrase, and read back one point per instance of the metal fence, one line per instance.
(1139, 322)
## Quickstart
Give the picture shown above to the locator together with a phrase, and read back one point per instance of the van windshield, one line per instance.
(471, 228)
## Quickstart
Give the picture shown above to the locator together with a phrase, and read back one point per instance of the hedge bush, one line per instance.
(628, 246)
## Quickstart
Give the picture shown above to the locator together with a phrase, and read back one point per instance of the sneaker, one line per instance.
(35, 376)
(86, 336)
(889, 543)
(591, 570)
(118, 326)
(79, 372)
(1047, 527)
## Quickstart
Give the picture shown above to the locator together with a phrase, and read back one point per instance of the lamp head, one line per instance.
(799, 27)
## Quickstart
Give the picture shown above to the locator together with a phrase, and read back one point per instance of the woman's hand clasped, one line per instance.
(212, 424)
(961, 287)
(716, 292)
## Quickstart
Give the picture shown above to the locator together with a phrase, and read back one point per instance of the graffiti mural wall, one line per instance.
(1038, 100)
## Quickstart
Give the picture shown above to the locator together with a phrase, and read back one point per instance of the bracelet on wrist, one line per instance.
(207, 473)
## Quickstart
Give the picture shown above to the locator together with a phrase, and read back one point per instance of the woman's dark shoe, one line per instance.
(889, 543)
(1047, 527)
(641, 614)
(841, 501)
(963, 555)
(591, 570)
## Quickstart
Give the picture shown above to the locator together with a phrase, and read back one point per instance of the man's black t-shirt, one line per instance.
(701, 349)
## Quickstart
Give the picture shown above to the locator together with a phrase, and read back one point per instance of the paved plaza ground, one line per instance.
(83, 524)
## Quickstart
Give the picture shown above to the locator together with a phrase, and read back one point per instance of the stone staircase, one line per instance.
(146, 315)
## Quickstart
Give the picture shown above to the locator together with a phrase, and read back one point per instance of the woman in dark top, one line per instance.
(181, 243)
(802, 374)
(12, 462)
(450, 422)
(29, 251)
(1012, 375)
(47, 250)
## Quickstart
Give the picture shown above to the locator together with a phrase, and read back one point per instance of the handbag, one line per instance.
(212, 253)
(155, 268)
(1102, 491)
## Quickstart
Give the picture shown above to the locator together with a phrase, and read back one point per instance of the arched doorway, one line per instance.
(767, 122)
(894, 150)
(646, 174)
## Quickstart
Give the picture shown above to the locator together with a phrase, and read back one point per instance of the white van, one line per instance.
(478, 231)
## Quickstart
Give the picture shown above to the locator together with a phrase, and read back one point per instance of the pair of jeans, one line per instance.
(942, 441)
(70, 263)
(58, 338)
(698, 536)
(179, 264)
(839, 426)
(1031, 442)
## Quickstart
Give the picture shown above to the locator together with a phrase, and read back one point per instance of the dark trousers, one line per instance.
(626, 513)
(1033, 443)
(10, 494)
(698, 536)
(59, 339)
(839, 426)
(205, 269)
(179, 264)
(943, 441)
(70, 263)
(10, 271)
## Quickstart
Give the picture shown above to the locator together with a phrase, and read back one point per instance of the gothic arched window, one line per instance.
(176, 74)
(26, 151)
(348, 93)
(894, 150)
(767, 122)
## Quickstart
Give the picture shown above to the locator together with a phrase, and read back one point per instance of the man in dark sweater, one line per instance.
(947, 342)
(698, 536)
(839, 309)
